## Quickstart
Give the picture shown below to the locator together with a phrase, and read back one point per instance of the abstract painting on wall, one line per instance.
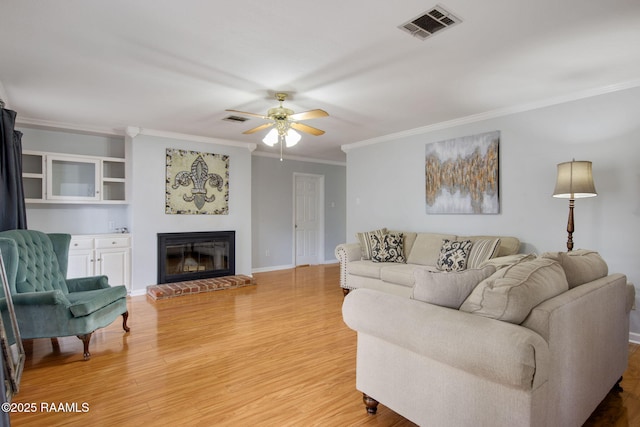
(462, 175)
(197, 183)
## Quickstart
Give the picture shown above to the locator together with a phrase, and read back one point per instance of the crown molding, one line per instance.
(500, 112)
(298, 158)
(194, 138)
(51, 125)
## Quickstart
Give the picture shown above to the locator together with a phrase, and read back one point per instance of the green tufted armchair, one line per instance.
(48, 305)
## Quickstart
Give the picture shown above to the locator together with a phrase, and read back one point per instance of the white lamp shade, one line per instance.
(575, 181)
(271, 138)
(292, 138)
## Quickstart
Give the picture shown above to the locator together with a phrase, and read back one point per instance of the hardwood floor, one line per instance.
(275, 354)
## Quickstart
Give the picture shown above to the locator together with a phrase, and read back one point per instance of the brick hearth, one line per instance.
(169, 290)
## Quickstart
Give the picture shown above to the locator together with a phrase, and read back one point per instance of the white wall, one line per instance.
(148, 204)
(385, 181)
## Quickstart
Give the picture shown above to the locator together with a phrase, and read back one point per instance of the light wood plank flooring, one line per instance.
(275, 354)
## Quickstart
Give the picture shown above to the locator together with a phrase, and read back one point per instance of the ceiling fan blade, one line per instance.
(260, 116)
(307, 129)
(258, 128)
(311, 114)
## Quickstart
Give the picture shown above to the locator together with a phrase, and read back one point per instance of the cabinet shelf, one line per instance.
(68, 178)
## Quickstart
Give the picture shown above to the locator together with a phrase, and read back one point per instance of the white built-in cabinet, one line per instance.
(98, 254)
(67, 178)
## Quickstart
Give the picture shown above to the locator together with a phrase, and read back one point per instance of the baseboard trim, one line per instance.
(634, 337)
(272, 268)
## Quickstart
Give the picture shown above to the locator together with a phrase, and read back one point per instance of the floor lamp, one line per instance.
(574, 181)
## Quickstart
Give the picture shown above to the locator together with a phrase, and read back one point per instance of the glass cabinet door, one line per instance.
(70, 178)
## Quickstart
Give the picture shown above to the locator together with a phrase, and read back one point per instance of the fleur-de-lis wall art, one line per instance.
(197, 183)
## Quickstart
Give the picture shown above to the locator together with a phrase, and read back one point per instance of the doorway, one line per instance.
(308, 219)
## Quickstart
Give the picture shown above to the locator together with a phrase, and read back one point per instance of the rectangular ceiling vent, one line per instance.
(430, 22)
(236, 119)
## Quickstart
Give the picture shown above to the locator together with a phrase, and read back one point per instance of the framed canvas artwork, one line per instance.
(461, 175)
(197, 183)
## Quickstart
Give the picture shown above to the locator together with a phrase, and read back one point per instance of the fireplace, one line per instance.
(196, 255)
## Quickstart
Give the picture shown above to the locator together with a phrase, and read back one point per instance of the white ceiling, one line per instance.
(177, 65)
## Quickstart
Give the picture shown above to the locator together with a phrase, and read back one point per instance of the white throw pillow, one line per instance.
(447, 289)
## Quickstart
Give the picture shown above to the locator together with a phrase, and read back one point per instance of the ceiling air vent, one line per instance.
(430, 22)
(235, 119)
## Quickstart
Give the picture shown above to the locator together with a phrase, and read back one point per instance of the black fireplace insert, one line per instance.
(195, 255)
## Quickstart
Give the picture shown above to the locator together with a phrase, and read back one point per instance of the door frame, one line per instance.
(320, 216)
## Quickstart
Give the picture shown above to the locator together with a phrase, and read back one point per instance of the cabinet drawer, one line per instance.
(80, 244)
(113, 242)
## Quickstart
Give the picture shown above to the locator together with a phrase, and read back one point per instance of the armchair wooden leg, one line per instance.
(370, 403)
(345, 291)
(85, 341)
(125, 317)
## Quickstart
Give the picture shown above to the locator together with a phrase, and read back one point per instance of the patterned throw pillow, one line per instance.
(481, 251)
(366, 241)
(453, 255)
(388, 248)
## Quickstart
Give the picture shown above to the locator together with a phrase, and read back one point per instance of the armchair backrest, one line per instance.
(35, 261)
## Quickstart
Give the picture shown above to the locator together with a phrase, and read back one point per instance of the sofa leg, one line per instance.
(85, 341)
(370, 403)
(125, 317)
(345, 291)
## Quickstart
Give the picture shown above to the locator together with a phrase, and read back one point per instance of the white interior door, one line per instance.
(308, 218)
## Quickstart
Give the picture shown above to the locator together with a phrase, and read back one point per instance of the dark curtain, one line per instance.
(13, 213)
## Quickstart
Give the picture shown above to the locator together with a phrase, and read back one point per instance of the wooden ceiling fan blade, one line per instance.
(307, 129)
(258, 128)
(311, 114)
(260, 116)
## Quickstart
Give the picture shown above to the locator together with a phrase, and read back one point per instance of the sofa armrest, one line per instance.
(92, 283)
(498, 351)
(346, 252)
(55, 297)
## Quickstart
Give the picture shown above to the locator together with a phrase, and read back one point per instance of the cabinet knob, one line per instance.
(75, 244)
(114, 243)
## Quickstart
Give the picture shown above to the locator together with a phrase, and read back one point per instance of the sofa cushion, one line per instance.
(453, 255)
(426, 248)
(365, 268)
(447, 289)
(366, 242)
(482, 250)
(510, 293)
(86, 302)
(401, 274)
(388, 248)
(580, 266)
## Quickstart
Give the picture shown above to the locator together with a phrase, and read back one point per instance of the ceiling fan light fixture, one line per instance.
(292, 138)
(271, 138)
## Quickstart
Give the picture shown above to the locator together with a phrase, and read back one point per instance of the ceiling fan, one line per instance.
(284, 121)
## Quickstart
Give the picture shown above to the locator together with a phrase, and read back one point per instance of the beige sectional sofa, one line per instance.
(540, 342)
(421, 250)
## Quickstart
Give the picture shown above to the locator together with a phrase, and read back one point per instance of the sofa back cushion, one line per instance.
(447, 289)
(580, 266)
(511, 293)
(426, 248)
